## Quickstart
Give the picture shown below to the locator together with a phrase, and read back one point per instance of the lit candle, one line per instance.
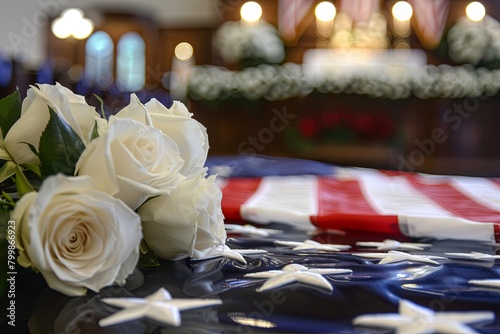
(402, 13)
(251, 13)
(325, 14)
(475, 11)
(182, 63)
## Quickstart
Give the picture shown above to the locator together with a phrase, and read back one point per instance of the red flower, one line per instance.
(331, 120)
(308, 127)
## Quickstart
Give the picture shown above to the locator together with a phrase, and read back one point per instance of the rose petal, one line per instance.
(136, 111)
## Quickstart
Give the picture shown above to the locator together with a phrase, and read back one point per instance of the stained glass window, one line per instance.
(131, 62)
(99, 60)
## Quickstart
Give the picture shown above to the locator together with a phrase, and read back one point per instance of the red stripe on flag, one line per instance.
(343, 206)
(392, 173)
(454, 201)
(235, 193)
(496, 231)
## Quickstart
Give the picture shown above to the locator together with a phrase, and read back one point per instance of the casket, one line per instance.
(328, 250)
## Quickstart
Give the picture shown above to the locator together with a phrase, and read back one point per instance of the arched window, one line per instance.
(99, 60)
(131, 62)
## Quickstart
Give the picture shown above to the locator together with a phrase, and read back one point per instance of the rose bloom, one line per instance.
(71, 107)
(132, 162)
(188, 222)
(78, 238)
(177, 123)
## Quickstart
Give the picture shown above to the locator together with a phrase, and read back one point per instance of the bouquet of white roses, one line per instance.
(89, 195)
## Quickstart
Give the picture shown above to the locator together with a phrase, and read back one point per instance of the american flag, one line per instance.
(430, 18)
(360, 11)
(291, 16)
(370, 200)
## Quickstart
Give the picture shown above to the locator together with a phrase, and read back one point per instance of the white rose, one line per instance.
(77, 237)
(71, 107)
(189, 222)
(132, 162)
(177, 123)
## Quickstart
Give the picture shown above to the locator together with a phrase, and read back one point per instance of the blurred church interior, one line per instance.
(410, 86)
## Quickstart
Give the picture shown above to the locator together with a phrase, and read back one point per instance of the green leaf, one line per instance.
(147, 257)
(10, 111)
(7, 170)
(7, 198)
(22, 183)
(60, 147)
(32, 148)
(6, 203)
(34, 168)
(95, 133)
(98, 98)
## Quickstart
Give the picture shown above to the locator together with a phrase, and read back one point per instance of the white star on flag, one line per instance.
(389, 244)
(396, 256)
(415, 319)
(250, 229)
(222, 251)
(320, 231)
(297, 273)
(159, 306)
(474, 256)
(248, 251)
(489, 283)
(229, 253)
(312, 245)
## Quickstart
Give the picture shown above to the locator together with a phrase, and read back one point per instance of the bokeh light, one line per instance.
(325, 11)
(402, 11)
(251, 11)
(183, 51)
(475, 11)
(72, 23)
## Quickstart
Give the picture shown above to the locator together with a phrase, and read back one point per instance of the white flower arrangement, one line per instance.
(235, 41)
(474, 42)
(372, 35)
(106, 190)
(281, 82)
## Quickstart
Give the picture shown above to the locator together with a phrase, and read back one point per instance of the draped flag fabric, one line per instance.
(292, 16)
(429, 20)
(369, 200)
(360, 11)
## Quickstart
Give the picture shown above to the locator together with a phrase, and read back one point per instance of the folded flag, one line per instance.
(369, 200)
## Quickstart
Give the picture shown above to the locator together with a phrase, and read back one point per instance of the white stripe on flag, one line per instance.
(480, 190)
(288, 199)
(446, 228)
(418, 215)
(393, 195)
